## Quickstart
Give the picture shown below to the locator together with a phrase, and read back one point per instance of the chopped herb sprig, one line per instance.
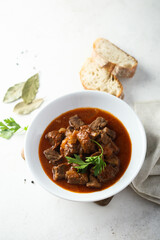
(97, 162)
(8, 127)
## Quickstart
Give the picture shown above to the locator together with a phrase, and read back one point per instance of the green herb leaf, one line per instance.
(7, 134)
(13, 93)
(8, 128)
(76, 160)
(30, 89)
(81, 165)
(25, 128)
(99, 167)
(23, 108)
(96, 161)
(12, 123)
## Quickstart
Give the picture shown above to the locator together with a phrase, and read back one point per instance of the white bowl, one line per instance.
(96, 99)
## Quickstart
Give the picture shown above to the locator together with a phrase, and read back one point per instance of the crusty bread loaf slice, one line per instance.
(122, 65)
(94, 77)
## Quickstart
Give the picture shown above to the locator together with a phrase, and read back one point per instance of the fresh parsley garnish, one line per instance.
(8, 127)
(82, 166)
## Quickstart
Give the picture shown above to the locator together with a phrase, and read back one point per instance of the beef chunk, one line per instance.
(52, 155)
(114, 161)
(115, 148)
(94, 134)
(108, 173)
(69, 131)
(110, 133)
(81, 152)
(86, 143)
(93, 183)
(109, 146)
(70, 145)
(108, 150)
(70, 149)
(75, 122)
(98, 123)
(55, 138)
(104, 138)
(60, 171)
(73, 177)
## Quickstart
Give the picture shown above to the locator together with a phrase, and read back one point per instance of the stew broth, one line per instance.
(88, 115)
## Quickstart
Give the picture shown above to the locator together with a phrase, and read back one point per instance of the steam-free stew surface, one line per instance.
(88, 115)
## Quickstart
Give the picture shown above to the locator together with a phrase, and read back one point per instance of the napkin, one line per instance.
(147, 182)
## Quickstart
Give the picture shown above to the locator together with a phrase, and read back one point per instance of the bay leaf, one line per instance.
(13, 93)
(23, 108)
(30, 89)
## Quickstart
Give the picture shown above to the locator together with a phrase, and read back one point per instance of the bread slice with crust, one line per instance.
(121, 64)
(93, 77)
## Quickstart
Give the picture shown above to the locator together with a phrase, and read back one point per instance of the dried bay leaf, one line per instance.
(30, 89)
(13, 93)
(23, 108)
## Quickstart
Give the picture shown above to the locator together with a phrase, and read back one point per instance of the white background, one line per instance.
(54, 38)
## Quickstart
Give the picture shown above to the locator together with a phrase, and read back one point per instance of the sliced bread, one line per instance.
(121, 64)
(93, 77)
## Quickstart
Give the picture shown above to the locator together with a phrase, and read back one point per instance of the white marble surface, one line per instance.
(54, 38)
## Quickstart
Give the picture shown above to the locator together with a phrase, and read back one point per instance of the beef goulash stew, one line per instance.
(85, 150)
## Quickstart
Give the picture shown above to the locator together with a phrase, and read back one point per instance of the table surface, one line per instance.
(54, 38)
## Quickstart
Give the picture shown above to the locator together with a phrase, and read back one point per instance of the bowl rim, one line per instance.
(72, 94)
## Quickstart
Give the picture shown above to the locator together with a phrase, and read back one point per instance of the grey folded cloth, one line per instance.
(147, 182)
